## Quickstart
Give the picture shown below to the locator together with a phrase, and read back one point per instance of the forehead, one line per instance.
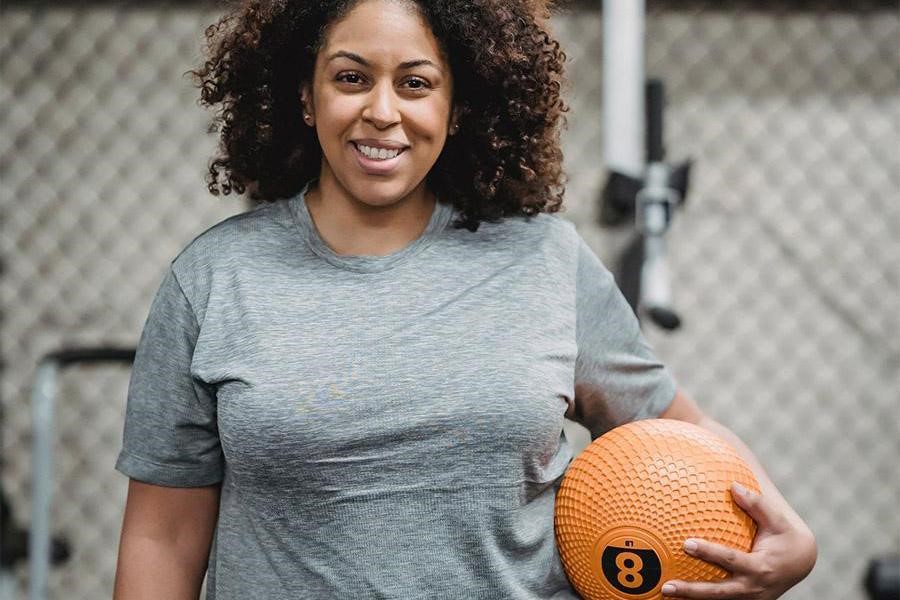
(384, 29)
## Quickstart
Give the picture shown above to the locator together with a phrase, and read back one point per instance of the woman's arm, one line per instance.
(784, 550)
(165, 542)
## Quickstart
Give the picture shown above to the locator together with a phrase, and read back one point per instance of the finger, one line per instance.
(704, 590)
(760, 508)
(730, 559)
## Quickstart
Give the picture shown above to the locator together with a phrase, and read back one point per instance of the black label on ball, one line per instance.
(630, 570)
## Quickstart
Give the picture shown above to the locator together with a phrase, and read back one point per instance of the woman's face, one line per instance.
(381, 101)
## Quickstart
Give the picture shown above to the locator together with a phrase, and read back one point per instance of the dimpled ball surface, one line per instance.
(648, 484)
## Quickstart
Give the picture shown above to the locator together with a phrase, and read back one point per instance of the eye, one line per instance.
(349, 77)
(417, 83)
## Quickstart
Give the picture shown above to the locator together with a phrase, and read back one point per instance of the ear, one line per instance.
(306, 105)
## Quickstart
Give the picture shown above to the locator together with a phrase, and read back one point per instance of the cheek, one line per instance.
(429, 122)
(337, 112)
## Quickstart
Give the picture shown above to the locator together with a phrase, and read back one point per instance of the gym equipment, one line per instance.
(43, 404)
(629, 501)
(882, 580)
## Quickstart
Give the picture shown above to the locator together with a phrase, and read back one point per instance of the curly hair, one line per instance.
(506, 158)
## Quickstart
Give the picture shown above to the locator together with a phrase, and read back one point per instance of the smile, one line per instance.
(378, 153)
(377, 161)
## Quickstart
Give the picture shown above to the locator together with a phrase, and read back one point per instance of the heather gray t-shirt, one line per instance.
(383, 426)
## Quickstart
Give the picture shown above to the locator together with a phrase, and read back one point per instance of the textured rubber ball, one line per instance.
(630, 500)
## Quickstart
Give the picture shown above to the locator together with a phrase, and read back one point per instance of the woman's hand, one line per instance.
(783, 553)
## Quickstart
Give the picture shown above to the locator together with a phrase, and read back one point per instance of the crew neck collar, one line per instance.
(440, 217)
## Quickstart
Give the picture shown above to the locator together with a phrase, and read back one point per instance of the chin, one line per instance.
(381, 193)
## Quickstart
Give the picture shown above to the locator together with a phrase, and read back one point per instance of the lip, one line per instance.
(376, 167)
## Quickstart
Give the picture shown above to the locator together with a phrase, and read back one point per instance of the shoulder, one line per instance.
(543, 229)
(554, 233)
(234, 236)
(545, 241)
(558, 227)
(567, 250)
(227, 245)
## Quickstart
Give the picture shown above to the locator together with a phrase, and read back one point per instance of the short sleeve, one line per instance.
(618, 378)
(170, 435)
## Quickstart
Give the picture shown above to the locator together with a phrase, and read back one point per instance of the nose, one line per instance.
(381, 109)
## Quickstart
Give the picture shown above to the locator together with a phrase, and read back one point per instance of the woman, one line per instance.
(342, 394)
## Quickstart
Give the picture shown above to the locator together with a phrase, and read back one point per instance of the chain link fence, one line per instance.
(785, 259)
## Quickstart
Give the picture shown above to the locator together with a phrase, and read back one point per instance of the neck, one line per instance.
(351, 226)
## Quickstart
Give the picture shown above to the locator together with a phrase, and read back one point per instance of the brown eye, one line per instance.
(416, 83)
(352, 78)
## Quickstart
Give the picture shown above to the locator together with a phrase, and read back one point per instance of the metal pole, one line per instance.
(623, 86)
(43, 398)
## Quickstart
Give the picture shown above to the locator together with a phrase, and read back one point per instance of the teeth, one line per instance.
(377, 153)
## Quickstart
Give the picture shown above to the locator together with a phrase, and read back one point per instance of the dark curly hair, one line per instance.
(508, 74)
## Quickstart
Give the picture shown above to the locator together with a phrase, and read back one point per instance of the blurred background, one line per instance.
(785, 259)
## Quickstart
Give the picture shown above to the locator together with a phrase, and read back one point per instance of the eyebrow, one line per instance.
(404, 65)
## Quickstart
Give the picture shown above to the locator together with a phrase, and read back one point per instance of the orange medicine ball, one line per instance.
(629, 501)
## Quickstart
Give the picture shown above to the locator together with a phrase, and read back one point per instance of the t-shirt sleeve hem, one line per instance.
(660, 400)
(149, 471)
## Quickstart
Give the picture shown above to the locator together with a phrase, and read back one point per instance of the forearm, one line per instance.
(684, 408)
(149, 569)
(767, 487)
(784, 548)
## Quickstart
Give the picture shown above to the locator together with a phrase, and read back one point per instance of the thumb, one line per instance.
(760, 508)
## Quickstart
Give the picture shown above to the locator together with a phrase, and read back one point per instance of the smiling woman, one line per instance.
(382, 113)
(337, 395)
(486, 74)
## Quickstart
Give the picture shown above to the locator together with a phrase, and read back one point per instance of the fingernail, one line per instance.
(690, 546)
(739, 488)
(668, 589)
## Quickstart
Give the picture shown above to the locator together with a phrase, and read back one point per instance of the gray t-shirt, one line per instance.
(383, 426)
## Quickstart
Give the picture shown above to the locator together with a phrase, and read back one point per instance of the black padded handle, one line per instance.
(68, 356)
(655, 99)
